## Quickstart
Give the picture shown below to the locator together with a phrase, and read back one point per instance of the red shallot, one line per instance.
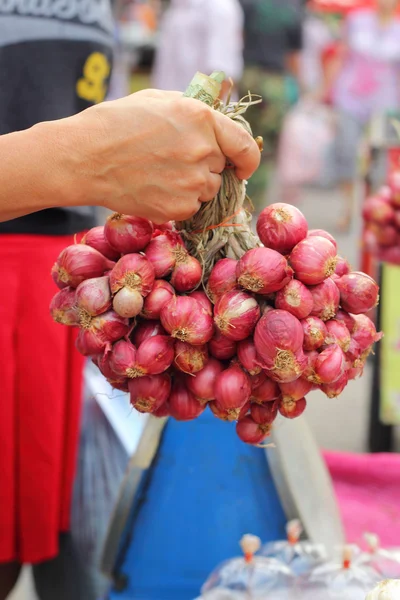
(313, 260)
(190, 359)
(232, 388)
(330, 364)
(315, 333)
(222, 347)
(326, 298)
(359, 293)
(63, 307)
(183, 405)
(77, 263)
(126, 233)
(281, 226)
(338, 334)
(128, 302)
(291, 409)
(93, 297)
(96, 239)
(295, 298)
(263, 271)
(222, 278)
(251, 432)
(263, 389)
(324, 234)
(187, 274)
(161, 293)
(332, 390)
(247, 356)
(98, 334)
(146, 329)
(236, 314)
(149, 393)
(184, 319)
(203, 383)
(264, 414)
(133, 271)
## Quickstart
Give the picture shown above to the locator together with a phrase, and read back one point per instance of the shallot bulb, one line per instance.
(127, 234)
(315, 333)
(228, 414)
(379, 210)
(97, 335)
(145, 330)
(309, 371)
(190, 359)
(324, 234)
(338, 334)
(182, 404)
(347, 319)
(149, 393)
(187, 274)
(93, 297)
(313, 260)
(154, 356)
(222, 278)
(291, 409)
(364, 332)
(264, 414)
(251, 432)
(203, 299)
(263, 389)
(326, 299)
(236, 314)
(232, 388)
(278, 336)
(330, 364)
(135, 272)
(342, 266)
(184, 319)
(164, 251)
(288, 367)
(295, 298)
(263, 271)
(96, 239)
(222, 347)
(359, 293)
(203, 383)
(161, 293)
(281, 227)
(295, 390)
(77, 263)
(128, 302)
(385, 235)
(63, 307)
(332, 390)
(122, 359)
(247, 356)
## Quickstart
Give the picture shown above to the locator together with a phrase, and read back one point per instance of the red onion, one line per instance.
(359, 293)
(148, 394)
(161, 293)
(354, 352)
(295, 298)
(313, 260)
(190, 359)
(202, 299)
(163, 411)
(332, 390)
(326, 298)
(314, 333)
(63, 308)
(164, 251)
(102, 362)
(338, 334)
(184, 319)
(309, 372)
(222, 347)
(277, 337)
(378, 209)
(288, 367)
(295, 390)
(251, 432)
(187, 275)
(119, 384)
(232, 388)
(365, 333)
(202, 384)
(133, 271)
(324, 234)
(347, 319)
(183, 405)
(263, 271)
(264, 414)
(263, 389)
(96, 239)
(128, 302)
(342, 266)
(281, 226)
(77, 263)
(291, 409)
(247, 356)
(145, 330)
(93, 297)
(330, 364)
(122, 360)
(222, 278)
(154, 356)
(101, 332)
(228, 414)
(127, 233)
(236, 314)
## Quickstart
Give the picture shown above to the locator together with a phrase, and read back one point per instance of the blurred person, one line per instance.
(199, 35)
(363, 80)
(273, 41)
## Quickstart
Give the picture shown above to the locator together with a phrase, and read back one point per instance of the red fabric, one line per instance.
(41, 381)
(367, 487)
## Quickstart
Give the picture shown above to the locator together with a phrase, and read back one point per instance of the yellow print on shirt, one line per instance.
(93, 85)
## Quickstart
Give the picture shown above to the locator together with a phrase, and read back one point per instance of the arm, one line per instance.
(153, 154)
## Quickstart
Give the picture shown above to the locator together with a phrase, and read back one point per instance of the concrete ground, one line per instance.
(339, 424)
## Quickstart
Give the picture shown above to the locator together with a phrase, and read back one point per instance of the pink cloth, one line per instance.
(368, 491)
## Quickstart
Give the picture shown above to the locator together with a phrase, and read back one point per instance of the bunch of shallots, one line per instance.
(381, 214)
(249, 343)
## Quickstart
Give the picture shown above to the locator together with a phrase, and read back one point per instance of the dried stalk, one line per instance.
(221, 228)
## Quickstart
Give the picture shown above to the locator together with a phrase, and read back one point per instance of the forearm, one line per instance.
(37, 170)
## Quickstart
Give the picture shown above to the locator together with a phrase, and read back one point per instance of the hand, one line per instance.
(155, 154)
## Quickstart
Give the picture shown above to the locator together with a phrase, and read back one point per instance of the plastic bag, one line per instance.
(299, 161)
(249, 576)
(300, 556)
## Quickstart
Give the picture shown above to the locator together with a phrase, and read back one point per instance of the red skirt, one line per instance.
(41, 377)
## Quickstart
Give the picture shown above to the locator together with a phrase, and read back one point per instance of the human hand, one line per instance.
(156, 154)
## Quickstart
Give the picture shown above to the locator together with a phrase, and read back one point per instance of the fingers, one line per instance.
(211, 188)
(237, 145)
